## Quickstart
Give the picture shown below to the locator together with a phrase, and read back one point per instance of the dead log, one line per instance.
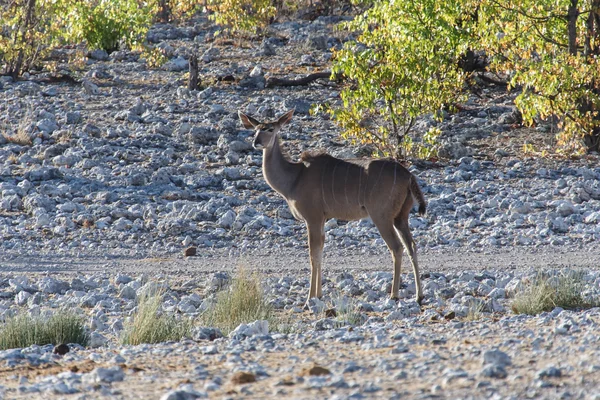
(298, 82)
(193, 78)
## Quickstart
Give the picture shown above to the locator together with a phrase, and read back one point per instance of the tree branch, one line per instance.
(299, 81)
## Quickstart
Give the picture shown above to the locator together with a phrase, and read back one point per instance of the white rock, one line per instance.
(496, 357)
(127, 292)
(260, 327)
(97, 340)
(104, 375)
(22, 297)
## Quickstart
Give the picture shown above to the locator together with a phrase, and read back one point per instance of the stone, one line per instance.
(204, 333)
(61, 349)
(90, 88)
(549, 372)
(315, 370)
(496, 357)
(177, 64)
(104, 375)
(260, 327)
(211, 54)
(494, 371)
(22, 297)
(98, 54)
(184, 394)
(54, 286)
(190, 252)
(127, 292)
(97, 340)
(241, 377)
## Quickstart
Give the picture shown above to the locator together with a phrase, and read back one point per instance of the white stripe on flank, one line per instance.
(346, 183)
(377, 181)
(393, 184)
(333, 182)
(323, 186)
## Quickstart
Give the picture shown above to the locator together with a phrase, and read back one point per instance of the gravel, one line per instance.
(129, 169)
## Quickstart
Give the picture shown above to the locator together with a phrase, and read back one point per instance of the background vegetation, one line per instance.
(408, 58)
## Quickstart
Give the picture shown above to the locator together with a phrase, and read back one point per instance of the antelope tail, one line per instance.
(418, 195)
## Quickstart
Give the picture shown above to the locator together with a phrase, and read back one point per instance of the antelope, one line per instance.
(321, 187)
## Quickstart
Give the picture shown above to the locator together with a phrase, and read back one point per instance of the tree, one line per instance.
(551, 50)
(402, 65)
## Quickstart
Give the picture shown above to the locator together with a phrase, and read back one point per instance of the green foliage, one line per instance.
(400, 68)
(547, 291)
(242, 17)
(150, 325)
(242, 302)
(555, 62)
(25, 330)
(176, 10)
(104, 23)
(28, 31)
(31, 28)
(154, 57)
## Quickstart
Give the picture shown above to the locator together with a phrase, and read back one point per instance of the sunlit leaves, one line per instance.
(241, 16)
(529, 41)
(402, 65)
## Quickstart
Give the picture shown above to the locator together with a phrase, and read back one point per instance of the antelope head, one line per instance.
(266, 133)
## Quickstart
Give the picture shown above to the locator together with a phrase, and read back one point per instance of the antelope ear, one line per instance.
(286, 118)
(248, 121)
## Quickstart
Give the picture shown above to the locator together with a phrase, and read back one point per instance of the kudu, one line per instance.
(321, 187)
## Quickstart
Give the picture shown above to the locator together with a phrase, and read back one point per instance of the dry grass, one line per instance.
(21, 133)
(25, 330)
(475, 310)
(242, 302)
(547, 291)
(150, 325)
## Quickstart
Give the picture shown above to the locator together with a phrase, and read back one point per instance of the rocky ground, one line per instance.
(105, 180)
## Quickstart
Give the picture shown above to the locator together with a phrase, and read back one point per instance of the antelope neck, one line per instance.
(280, 173)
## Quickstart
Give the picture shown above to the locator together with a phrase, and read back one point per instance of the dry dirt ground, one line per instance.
(208, 261)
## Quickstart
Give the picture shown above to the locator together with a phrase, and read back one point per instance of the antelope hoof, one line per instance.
(306, 306)
(395, 298)
(419, 300)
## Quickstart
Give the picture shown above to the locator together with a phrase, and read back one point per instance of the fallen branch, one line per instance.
(298, 82)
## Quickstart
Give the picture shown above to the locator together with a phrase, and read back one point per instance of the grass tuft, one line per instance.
(240, 303)
(347, 310)
(150, 325)
(475, 310)
(547, 291)
(25, 330)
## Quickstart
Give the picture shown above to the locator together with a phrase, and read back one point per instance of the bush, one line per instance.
(105, 23)
(241, 17)
(242, 302)
(551, 50)
(25, 330)
(31, 28)
(150, 325)
(28, 31)
(547, 291)
(399, 69)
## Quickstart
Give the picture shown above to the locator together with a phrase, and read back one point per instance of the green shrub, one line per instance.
(399, 69)
(547, 291)
(28, 29)
(105, 23)
(242, 302)
(239, 17)
(150, 325)
(551, 51)
(25, 330)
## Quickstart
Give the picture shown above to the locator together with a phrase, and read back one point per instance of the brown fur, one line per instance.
(321, 187)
